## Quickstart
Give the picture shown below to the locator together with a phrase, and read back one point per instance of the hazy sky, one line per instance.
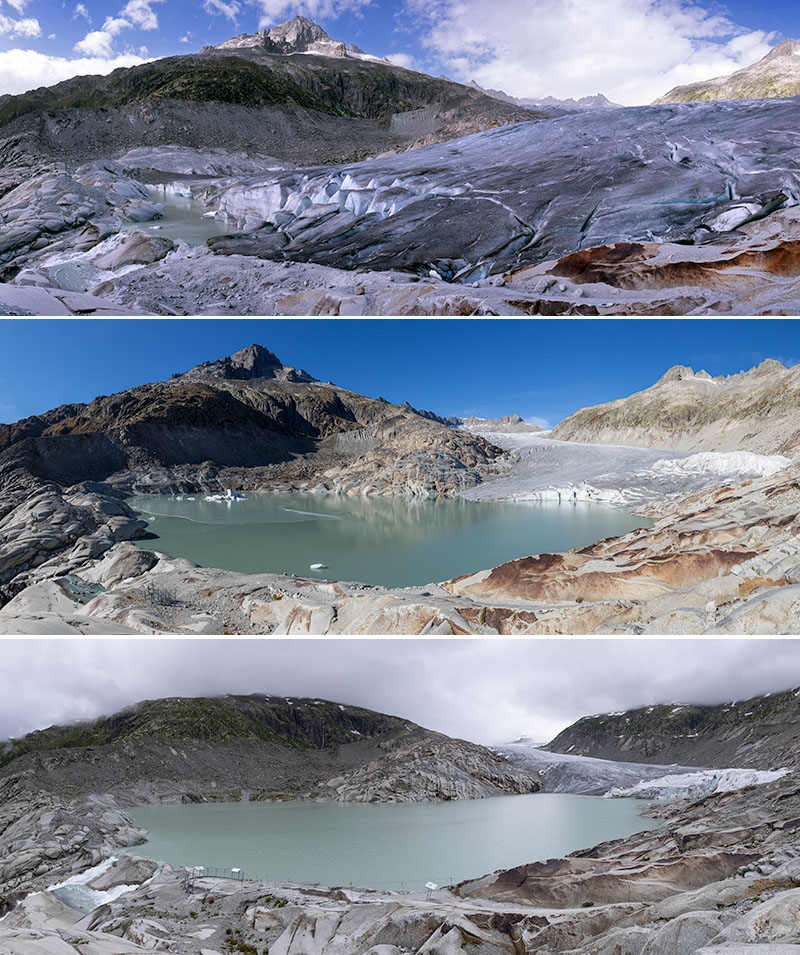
(631, 50)
(543, 369)
(489, 691)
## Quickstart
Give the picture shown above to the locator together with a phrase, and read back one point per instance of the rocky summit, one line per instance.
(775, 75)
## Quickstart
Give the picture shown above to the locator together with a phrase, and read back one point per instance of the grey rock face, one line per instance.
(298, 35)
(255, 361)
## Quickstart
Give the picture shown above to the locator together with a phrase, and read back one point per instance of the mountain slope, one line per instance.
(762, 733)
(775, 75)
(191, 749)
(315, 106)
(755, 410)
(247, 411)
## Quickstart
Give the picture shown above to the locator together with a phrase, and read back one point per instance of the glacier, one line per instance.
(520, 194)
(583, 775)
(697, 783)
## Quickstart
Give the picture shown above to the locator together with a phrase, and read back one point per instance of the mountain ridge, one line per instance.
(235, 747)
(762, 732)
(776, 75)
(753, 410)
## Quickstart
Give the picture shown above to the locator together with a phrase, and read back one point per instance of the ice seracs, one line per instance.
(694, 785)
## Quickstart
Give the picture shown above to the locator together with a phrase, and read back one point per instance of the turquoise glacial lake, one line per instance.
(392, 846)
(397, 542)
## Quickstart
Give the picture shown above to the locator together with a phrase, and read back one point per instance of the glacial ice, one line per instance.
(527, 192)
(583, 775)
(740, 463)
(548, 470)
(692, 785)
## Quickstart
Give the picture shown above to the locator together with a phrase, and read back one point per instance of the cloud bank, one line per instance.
(489, 691)
(22, 70)
(631, 50)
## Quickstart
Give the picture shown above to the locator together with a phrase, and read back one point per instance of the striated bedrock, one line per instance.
(433, 769)
(775, 75)
(720, 877)
(256, 747)
(44, 838)
(690, 859)
(762, 732)
(757, 410)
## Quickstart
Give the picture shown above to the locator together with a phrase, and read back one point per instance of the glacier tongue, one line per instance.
(583, 775)
(696, 783)
(520, 194)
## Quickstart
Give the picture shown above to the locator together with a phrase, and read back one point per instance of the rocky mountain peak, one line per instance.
(297, 35)
(769, 366)
(252, 362)
(783, 49)
(677, 373)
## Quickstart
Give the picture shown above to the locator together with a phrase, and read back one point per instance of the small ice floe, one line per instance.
(229, 495)
(318, 566)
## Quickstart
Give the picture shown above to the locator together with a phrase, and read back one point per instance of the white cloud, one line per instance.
(539, 422)
(22, 70)
(274, 11)
(18, 5)
(221, 8)
(141, 14)
(101, 42)
(402, 59)
(81, 11)
(135, 14)
(632, 50)
(27, 27)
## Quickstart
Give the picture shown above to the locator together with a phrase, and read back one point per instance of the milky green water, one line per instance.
(393, 846)
(396, 542)
(182, 218)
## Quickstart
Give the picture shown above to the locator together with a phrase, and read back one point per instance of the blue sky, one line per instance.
(541, 369)
(632, 50)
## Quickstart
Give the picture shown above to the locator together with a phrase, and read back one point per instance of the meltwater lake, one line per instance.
(397, 542)
(182, 218)
(382, 846)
